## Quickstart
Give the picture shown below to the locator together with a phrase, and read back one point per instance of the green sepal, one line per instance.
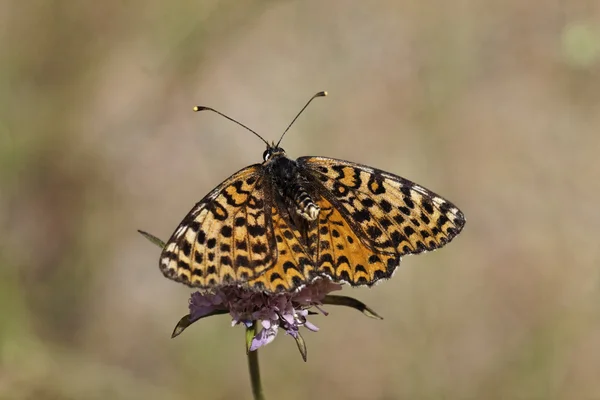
(186, 321)
(301, 345)
(250, 334)
(152, 239)
(351, 302)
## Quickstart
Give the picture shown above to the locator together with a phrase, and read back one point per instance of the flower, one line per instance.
(286, 310)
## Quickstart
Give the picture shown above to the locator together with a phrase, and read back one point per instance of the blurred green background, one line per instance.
(493, 104)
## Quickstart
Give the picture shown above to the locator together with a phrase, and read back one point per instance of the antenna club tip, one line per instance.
(321, 94)
(200, 108)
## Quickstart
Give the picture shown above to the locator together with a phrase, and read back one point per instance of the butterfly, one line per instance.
(280, 224)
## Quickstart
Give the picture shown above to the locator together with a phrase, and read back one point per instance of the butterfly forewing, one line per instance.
(390, 214)
(225, 238)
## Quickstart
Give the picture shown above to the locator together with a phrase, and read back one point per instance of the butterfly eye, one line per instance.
(267, 154)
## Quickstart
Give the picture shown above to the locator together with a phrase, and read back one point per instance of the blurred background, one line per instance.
(493, 104)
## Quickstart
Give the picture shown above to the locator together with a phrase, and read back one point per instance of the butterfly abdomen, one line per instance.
(305, 206)
(291, 186)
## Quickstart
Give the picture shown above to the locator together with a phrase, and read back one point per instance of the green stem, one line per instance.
(255, 375)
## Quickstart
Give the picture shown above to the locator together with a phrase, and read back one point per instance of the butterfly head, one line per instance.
(273, 151)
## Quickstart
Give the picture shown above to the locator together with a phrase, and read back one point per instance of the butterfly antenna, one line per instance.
(202, 108)
(320, 94)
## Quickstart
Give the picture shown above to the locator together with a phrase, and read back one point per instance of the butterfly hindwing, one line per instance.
(340, 253)
(225, 238)
(390, 214)
(294, 264)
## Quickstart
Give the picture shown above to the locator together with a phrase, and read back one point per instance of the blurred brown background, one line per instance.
(493, 104)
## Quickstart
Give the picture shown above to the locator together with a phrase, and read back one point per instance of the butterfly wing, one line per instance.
(226, 238)
(294, 266)
(390, 216)
(341, 252)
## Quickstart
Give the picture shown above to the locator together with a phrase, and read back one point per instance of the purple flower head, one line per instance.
(284, 310)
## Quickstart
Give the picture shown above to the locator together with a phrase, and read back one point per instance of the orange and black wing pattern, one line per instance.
(295, 265)
(226, 238)
(342, 254)
(370, 218)
(245, 233)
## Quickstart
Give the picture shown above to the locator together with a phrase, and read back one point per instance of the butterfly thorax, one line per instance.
(290, 185)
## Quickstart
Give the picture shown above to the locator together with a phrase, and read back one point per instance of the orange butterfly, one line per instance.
(280, 224)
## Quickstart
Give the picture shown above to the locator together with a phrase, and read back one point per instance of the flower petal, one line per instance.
(264, 337)
(311, 327)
